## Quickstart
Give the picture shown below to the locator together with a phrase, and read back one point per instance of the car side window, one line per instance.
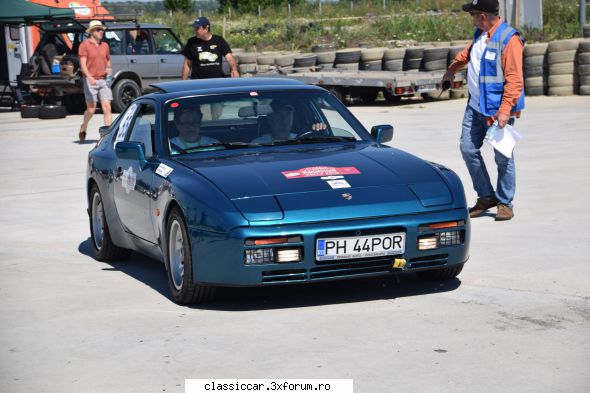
(165, 42)
(114, 38)
(138, 42)
(143, 128)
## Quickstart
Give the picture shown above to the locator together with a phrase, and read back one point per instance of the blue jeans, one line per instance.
(472, 136)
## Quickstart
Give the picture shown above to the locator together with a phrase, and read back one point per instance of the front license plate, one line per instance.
(360, 246)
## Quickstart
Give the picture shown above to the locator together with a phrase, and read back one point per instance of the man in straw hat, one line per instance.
(95, 64)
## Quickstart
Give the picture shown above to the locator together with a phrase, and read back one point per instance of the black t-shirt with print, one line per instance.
(206, 56)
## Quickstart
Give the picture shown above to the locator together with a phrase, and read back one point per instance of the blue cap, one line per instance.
(204, 22)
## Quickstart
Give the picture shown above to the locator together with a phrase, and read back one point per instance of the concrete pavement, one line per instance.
(517, 320)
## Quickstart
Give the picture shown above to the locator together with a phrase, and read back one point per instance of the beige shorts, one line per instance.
(100, 89)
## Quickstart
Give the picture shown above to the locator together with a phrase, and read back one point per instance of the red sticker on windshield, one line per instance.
(319, 171)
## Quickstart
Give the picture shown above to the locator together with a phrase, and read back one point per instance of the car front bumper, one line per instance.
(218, 259)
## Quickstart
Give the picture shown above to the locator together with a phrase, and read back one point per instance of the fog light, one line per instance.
(257, 256)
(427, 243)
(288, 255)
(450, 238)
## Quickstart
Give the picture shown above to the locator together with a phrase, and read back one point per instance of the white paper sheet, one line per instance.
(504, 140)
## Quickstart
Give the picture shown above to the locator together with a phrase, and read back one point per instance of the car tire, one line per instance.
(29, 111)
(124, 91)
(567, 56)
(100, 237)
(537, 81)
(561, 91)
(180, 273)
(585, 90)
(534, 91)
(52, 112)
(563, 45)
(535, 61)
(535, 49)
(446, 273)
(562, 68)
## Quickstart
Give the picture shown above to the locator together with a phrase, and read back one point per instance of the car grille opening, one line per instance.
(428, 261)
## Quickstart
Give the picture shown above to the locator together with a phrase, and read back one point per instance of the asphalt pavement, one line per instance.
(516, 320)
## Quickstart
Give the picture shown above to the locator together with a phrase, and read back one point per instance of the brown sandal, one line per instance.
(82, 135)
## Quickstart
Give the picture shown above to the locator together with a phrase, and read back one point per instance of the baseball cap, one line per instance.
(204, 22)
(487, 6)
(95, 24)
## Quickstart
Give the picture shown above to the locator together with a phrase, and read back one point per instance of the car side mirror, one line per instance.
(134, 151)
(382, 133)
(103, 130)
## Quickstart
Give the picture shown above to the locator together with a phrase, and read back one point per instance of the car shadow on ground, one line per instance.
(152, 273)
(85, 142)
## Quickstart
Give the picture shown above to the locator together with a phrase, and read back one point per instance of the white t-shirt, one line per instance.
(473, 70)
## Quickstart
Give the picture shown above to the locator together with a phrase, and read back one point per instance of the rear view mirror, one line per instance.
(382, 133)
(134, 151)
(258, 110)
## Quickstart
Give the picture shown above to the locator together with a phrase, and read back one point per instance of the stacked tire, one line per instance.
(305, 62)
(247, 63)
(563, 73)
(393, 59)
(435, 59)
(453, 52)
(347, 59)
(265, 62)
(586, 31)
(285, 61)
(535, 69)
(413, 58)
(584, 67)
(326, 54)
(372, 59)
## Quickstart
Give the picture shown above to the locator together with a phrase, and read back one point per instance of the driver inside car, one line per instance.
(280, 124)
(188, 124)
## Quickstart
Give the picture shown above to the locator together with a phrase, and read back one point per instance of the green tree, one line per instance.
(178, 5)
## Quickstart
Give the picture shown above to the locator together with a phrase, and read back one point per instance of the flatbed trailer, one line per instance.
(351, 86)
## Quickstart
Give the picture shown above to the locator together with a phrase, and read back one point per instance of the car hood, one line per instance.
(311, 183)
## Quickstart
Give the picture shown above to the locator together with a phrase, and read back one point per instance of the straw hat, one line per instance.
(95, 24)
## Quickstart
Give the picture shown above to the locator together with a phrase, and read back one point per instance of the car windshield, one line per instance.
(254, 119)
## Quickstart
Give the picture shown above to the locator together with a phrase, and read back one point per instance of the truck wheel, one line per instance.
(75, 103)
(446, 273)
(104, 248)
(391, 98)
(369, 95)
(29, 111)
(125, 91)
(179, 266)
(52, 112)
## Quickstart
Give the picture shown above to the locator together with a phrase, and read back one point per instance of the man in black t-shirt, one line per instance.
(204, 52)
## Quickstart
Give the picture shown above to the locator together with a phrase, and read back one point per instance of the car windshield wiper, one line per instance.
(312, 139)
(226, 145)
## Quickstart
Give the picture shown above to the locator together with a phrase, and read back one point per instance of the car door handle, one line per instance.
(133, 61)
(163, 60)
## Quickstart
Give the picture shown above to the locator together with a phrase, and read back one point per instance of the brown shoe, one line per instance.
(505, 213)
(482, 205)
(82, 135)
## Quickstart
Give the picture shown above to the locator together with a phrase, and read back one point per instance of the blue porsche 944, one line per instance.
(254, 181)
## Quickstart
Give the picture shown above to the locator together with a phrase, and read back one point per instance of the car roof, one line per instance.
(204, 84)
(176, 89)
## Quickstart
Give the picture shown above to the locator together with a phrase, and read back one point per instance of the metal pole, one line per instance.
(259, 11)
(289, 9)
(351, 6)
(320, 1)
(582, 15)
